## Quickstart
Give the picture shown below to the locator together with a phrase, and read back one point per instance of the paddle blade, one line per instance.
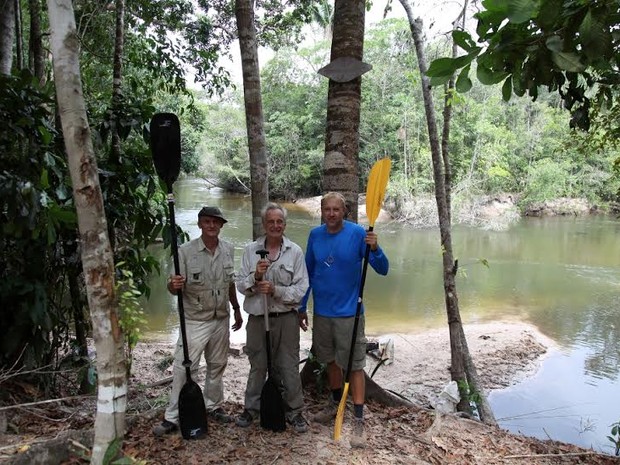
(272, 407)
(340, 413)
(375, 191)
(192, 411)
(166, 146)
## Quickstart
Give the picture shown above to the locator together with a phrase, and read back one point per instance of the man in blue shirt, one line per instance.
(334, 257)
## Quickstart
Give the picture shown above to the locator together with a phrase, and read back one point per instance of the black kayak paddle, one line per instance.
(271, 404)
(166, 149)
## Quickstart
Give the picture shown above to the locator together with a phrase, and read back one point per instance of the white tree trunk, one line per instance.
(97, 258)
(7, 35)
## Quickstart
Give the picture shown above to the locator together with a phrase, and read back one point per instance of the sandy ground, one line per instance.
(503, 353)
(418, 435)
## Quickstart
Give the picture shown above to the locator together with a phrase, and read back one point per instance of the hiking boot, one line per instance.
(358, 436)
(245, 419)
(328, 413)
(299, 423)
(220, 415)
(166, 427)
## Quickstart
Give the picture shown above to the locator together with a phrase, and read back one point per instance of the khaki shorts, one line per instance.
(331, 338)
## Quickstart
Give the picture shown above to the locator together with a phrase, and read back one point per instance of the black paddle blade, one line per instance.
(271, 407)
(192, 411)
(166, 146)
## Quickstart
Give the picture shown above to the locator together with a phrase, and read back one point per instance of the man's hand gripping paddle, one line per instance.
(166, 149)
(375, 191)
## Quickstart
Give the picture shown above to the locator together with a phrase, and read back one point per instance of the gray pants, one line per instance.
(284, 335)
(210, 338)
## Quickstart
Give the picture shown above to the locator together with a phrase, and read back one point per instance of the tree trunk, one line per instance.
(37, 57)
(341, 165)
(460, 357)
(19, 36)
(117, 78)
(312, 370)
(253, 111)
(97, 258)
(7, 35)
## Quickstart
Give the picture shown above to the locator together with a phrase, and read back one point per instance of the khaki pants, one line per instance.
(210, 338)
(284, 335)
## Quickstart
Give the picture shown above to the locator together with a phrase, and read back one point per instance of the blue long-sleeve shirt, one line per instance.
(334, 263)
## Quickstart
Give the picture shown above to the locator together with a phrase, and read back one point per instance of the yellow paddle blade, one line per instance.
(377, 182)
(340, 413)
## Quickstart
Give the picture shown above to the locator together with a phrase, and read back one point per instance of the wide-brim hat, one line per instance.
(212, 211)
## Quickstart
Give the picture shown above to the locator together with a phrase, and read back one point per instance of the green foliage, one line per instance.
(615, 437)
(132, 317)
(37, 236)
(471, 395)
(566, 46)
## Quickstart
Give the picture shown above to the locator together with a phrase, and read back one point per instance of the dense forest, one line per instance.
(522, 147)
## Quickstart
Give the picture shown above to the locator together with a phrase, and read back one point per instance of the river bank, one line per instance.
(504, 353)
(491, 212)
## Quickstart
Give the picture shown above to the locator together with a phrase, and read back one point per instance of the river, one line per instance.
(560, 274)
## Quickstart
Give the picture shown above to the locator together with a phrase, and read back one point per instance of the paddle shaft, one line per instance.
(263, 253)
(177, 270)
(358, 311)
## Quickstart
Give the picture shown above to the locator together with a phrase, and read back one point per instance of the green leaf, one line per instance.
(568, 62)
(442, 67)
(507, 89)
(463, 40)
(520, 11)
(46, 135)
(439, 80)
(463, 83)
(555, 43)
(44, 180)
(550, 11)
(495, 6)
(489, 77)
(488, 21)
(595, 39)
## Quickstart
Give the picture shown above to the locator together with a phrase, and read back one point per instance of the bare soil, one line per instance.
(503, 352)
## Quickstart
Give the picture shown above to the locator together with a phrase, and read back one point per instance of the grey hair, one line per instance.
(272, 206)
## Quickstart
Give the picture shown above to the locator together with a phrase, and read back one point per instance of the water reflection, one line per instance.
(561, 274)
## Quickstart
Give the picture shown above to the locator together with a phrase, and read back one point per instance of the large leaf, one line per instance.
(555, 43)
(439, 80)
(487, 76)
(596, 41)
(507, 89)
(463, 40)
(442, 67)
(520, 11)
(550, 12)
(488, 23)
(496, 6)
(463, 83)
(568, 62)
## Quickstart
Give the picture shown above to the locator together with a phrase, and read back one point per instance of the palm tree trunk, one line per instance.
(253, 111)
(341, 165)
